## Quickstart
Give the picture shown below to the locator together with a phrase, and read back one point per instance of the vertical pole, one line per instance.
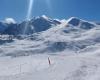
(49, 61)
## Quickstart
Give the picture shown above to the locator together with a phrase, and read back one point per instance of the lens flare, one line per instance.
(29, 12)
(31, 2)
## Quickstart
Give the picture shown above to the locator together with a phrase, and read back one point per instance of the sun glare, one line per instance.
(29, 12)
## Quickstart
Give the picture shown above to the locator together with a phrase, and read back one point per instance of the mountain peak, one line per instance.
(74, 21)
(71, 18)
(9, 21)
(45, 17)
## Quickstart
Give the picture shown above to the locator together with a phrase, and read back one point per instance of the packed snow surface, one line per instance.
(36, 67)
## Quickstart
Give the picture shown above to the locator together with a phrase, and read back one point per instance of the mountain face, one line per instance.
(3, 26)
(37, 24)
(46, 35)
(81, 23)
(43, 23)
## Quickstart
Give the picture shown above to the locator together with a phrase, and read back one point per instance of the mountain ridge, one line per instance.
(39, 24)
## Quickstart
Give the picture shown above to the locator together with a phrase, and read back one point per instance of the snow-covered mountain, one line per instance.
(36, 24)
(52, 36)
(81, 23)
(43, 23)
(72, 46)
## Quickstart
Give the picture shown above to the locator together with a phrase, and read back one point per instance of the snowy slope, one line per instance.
(54, 40)
(63, 67)
(72, 46)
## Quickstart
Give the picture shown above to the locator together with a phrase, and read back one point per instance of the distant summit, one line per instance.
(74, 21)
(39, 24)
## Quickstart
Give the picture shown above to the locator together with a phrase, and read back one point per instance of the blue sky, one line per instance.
(85, 9)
